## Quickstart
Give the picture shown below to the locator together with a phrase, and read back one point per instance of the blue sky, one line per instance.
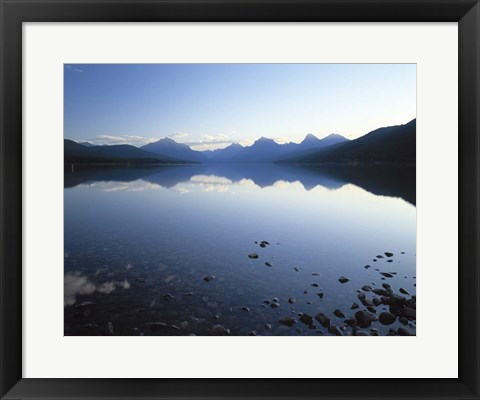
(212, 105)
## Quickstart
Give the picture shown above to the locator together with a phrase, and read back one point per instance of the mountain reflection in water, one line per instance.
(383, 180)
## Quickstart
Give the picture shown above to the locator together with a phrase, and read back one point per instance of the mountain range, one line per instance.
(266, 150)
(76, 153)
(394, 144)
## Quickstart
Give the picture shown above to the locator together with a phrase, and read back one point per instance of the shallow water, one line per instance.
(140, 241)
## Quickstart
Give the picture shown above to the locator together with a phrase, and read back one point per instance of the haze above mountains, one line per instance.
(394, 144)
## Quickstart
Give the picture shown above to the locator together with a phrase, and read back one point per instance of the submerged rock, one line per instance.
(397, 300)
(209, 278)
(320, 294)
(350, 321)
(155, 326)
(245, 308)
(405, 332)
(386, 318)
(343, 279)
(315, 285)
(388, 254)
(219, 330)
(316, 273)
(168, 297)
(409, 313)
(354, 306)
(334, 330)
(306, 319)
(288, 321)
(403, 291)
(367, 288)
(268, 264)
(291, 300)
(361, 333)
(296, 269)
(253, 255)
(380, 292)
(109, 329)
(339, 314)
(386, 274)
(367, 302)
(364, 318)
(324, 320)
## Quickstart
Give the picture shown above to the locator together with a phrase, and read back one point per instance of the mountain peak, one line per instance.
(335, 136)
(310, 138)
(234, 146)
(167, 140)
(264, 140)
(179, 151)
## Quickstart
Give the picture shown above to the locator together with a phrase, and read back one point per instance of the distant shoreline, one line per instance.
(349, 164)
(126, 164)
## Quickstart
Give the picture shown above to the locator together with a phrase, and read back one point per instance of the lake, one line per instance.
(165, 250)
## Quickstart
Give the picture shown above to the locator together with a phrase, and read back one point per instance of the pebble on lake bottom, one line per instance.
(288, 321)
(219, 330)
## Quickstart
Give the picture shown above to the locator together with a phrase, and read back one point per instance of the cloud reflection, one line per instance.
(392, 181)
(76, 284)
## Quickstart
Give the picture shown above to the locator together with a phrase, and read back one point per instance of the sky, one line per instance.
(210, 106)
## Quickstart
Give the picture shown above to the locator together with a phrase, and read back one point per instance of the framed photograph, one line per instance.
(223, 199)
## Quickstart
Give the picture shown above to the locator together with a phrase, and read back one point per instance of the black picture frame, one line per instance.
(15, 12)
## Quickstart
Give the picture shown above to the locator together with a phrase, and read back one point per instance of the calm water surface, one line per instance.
(140, 241)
